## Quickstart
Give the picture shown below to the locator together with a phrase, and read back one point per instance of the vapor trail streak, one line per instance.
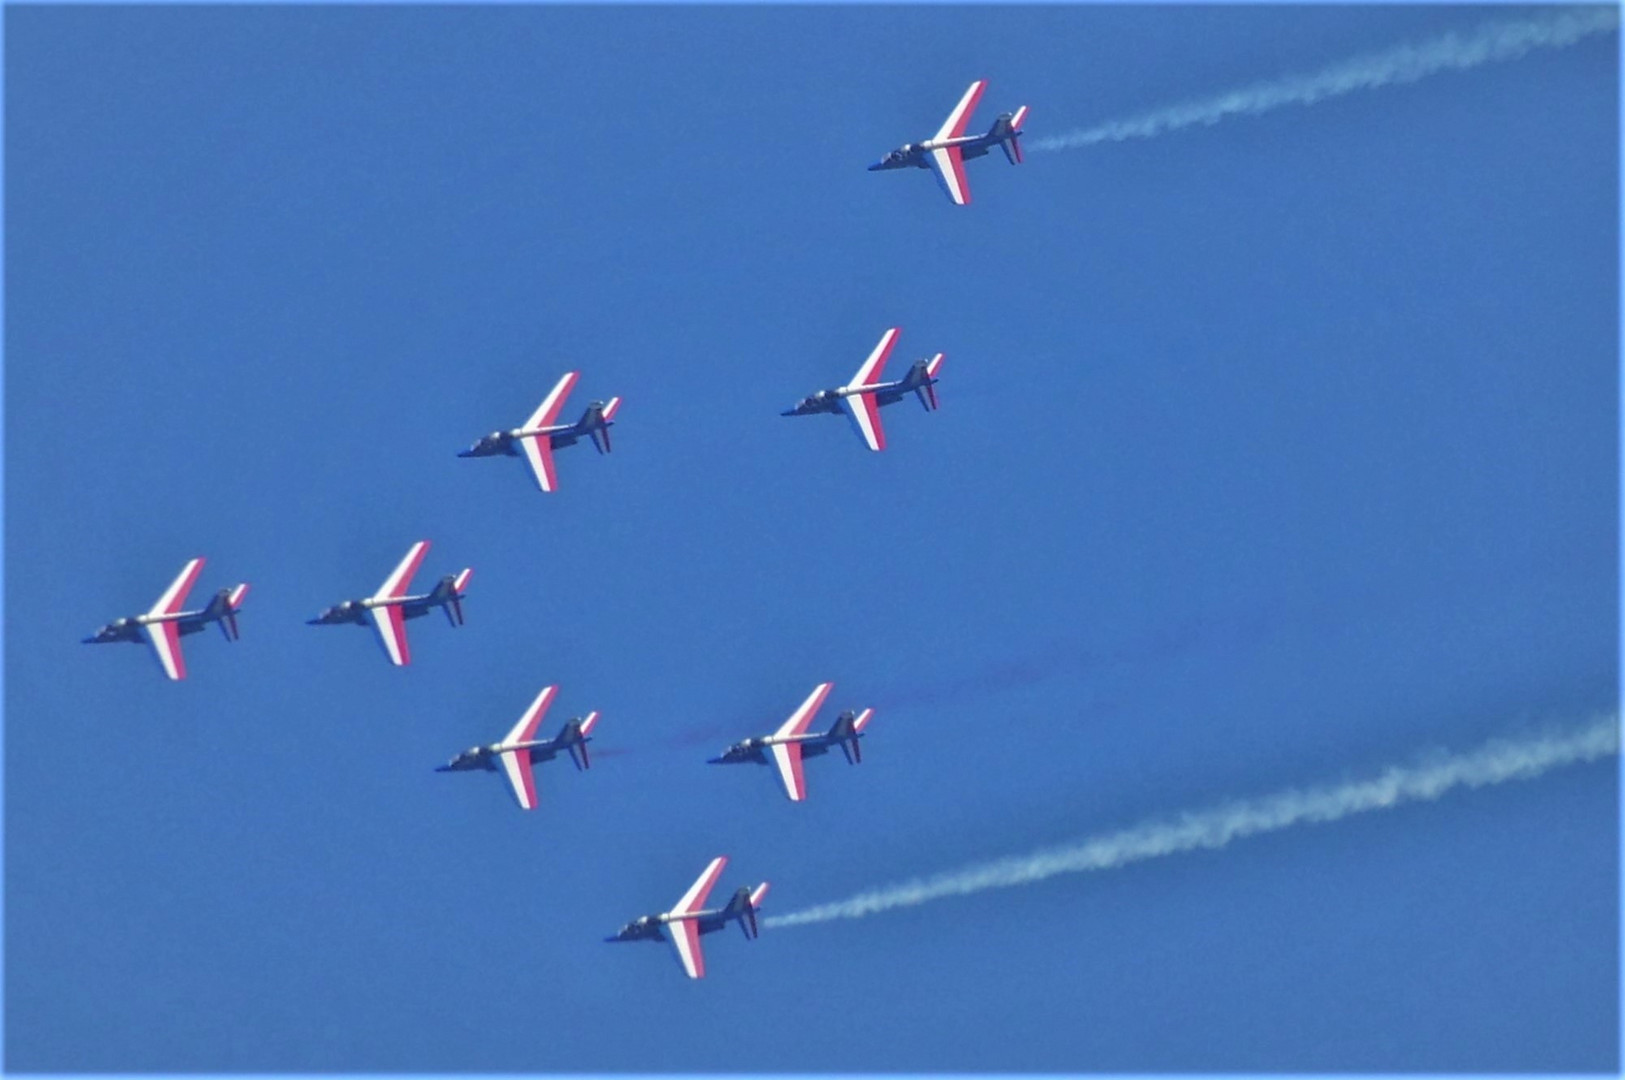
(1456, 51)
(1496, 762)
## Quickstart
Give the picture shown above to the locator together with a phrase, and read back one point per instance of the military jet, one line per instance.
(540, 436)
(862, 398)
(520, 749)
(793, 741)
(947, 151)
(165, 624)
(688, 920)
(390, 607)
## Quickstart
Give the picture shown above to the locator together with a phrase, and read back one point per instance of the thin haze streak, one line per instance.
(1496, 762)
(1405, 63)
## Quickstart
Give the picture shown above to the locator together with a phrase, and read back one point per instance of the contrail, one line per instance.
(1495, 762)
(1456, 51)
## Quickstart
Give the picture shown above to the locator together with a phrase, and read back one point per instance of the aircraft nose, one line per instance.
(877, 166)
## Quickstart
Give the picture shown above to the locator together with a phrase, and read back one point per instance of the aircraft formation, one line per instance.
(517, 754)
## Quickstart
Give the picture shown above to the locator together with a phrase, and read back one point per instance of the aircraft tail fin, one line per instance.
(848, 728)
(448, 593)
(743, 906)
(223, 609)
(575, 736)
(922, 379)
(596, 422)
(1007, 129)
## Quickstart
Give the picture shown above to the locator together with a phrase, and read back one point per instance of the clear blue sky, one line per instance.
(1270, 452)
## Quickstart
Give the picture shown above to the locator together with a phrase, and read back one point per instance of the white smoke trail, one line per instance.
(1405, 63)
(1495, 762)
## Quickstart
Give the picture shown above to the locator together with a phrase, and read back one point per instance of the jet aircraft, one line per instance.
(540, 436)
(520, 749)
(390, 607)
(689, 919)
(165, 623)
(862, 398)
(947, 151)
(792, 742)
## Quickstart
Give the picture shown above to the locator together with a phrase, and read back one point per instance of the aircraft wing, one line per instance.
(516, 766)
(864, 409)
(525, 730)
(948, 163)
(165, 636)
(869, 373)
(174, 596)
(787, 756)
(685, 933)
(387, 618)
(954, 126)
(539, 453)
(548, 410)
(390, 623)
(399, 579)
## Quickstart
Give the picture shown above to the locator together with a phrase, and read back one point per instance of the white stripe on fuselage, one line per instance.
(551, 429)
(943, 144)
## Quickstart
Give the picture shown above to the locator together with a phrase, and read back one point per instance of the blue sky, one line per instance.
(1270, 453)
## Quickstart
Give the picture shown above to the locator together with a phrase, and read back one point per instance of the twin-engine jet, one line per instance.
(540, 436)
(390, 607)
(793, 741)
(165, 624)
(947, 151)
(862, 398)
(520, 750)
(688, 920)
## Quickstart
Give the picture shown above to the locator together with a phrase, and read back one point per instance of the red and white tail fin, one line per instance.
(1011, 141)
(927, 392)
(610, 407)
(578, 749)
(459, 584)
(861, 720)
(234, 601)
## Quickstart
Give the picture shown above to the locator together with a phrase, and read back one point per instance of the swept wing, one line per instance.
(385, 609)
(539, 448)
(862, 407)
(164, 632)
(516, 764)
(685, 932)
(787, 755)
